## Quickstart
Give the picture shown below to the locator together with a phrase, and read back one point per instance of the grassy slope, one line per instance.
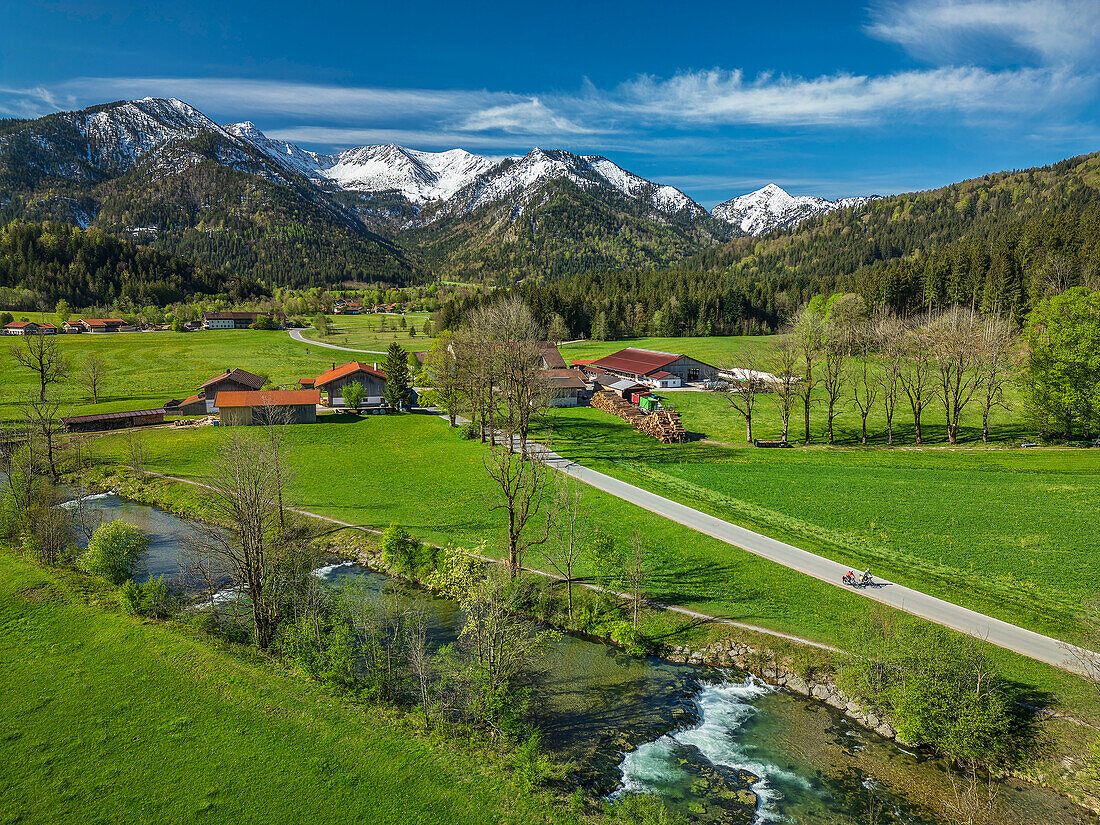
(146, 369)
(117, 720)
(364, 332)
(413, 470)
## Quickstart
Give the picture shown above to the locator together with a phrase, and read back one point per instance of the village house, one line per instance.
(203, 402)
(105, 325)
(247, 408)
(29, 328)
(333, 381)
(347, 308)
(565, 387)
(237, 320)
(72, 327)
(653, 368)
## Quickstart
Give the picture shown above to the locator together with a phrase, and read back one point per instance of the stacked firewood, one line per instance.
(664, 425)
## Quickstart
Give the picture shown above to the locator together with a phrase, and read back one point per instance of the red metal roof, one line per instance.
(661, 374)
(347, 369)
(101, 322)
(636, 361)
(238, 375)
(306, 382)
(20, 324)
(264, 398)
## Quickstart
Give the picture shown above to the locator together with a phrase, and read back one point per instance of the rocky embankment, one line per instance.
(729, 653)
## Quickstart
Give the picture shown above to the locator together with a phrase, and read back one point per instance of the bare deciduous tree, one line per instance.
(835, 361)
(916, 371)
(866, 382)
(419, 660)
(43, 416)
(263, 550)
(808, 332)
(995, 366)
(636, 574)
(742, 391)
(889, 336)
(569, 531)
(786, 388)
(41, 355)
(92, 374)
(956, 348)
(521, 483)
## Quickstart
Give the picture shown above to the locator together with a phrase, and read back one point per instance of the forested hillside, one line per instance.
(50, 261)
(998, 243)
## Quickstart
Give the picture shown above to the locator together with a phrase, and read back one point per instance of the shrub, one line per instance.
(153, 598)
(400, 550)
(115, 551)
(469, 431)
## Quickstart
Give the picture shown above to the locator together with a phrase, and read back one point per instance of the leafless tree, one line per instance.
(476, 371)
(41, 355)
(786, 387)
(742, 392)
(835, 361)
(521, 485)
(569, 533)
(517, 344)
(419, 660)
(865, 389)
(973, 798)
(889, 336)
(275, 420)
(45, 421)
(92, 373)
(135, 450)
(808, 331)
(916, 371)
(995, 366)
(264, 551)
(956, 348)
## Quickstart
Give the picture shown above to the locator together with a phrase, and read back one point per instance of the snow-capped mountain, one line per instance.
(772, 208)
(418, 176)
(520, 181)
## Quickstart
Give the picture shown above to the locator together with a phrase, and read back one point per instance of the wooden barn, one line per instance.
(655, 369)
(237, 408)
(112, 421)
(333, 381)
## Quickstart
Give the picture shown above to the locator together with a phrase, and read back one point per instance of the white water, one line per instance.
(327, 571)
(723, 709)
(72, 503)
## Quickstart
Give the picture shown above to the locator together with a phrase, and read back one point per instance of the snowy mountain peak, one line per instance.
(771, 207)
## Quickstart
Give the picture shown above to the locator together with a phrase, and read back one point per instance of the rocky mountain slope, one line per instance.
(770, 207)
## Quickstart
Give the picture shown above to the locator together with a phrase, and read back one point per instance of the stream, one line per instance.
(718, 746)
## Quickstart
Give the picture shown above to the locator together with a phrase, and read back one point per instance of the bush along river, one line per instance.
(716, 744)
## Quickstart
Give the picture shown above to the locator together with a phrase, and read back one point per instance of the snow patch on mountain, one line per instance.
(771, 208)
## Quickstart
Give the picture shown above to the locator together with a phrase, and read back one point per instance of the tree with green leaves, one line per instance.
(441, 374)
(63, 311)
(398, 381)
(321, 324)
(353, 394)
(115, 551)
(1063, 370)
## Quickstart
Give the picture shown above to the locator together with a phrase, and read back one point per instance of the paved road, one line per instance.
(296, 334)
(1009, 636)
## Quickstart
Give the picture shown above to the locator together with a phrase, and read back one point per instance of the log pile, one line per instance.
(664, 425)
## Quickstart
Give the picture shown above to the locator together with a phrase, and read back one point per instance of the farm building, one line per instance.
(238, 408)
(236, 320)
(654, 368)
(72, 327)
(333, 381)
(112, 421)
(627, 389)
(29, 328)
(202, 402)
(105, 325)
(566, 388)
(551, 357)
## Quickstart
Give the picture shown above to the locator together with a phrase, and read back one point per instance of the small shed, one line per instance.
(237, 408)
(565, 387)
(625, 388)
(112, 421)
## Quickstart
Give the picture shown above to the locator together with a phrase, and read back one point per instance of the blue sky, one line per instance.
(715, 98)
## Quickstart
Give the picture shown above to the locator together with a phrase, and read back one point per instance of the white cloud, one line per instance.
(974, 31)
(530, 116)
(726, 97)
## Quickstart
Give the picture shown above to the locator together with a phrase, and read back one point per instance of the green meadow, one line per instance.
(122, 720)
(365, 331)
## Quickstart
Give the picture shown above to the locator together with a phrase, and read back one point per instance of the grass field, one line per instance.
(145, 369)
(1012, 533)
(365, 332)
(414, 470)
(120, 720)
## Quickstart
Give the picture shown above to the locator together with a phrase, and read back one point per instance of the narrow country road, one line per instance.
(1009, 636)
(296, 334)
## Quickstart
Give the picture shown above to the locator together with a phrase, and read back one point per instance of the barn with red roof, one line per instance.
(653, 368)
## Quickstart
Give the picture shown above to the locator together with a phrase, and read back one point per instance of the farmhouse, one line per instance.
(72, 327)
(551, 357)
(202, 402)
(653, 368)
(333, 381)
(29, 328)
(238, 408)
(235, 320)
(112, 421)
(565, 387)
(105, 325)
